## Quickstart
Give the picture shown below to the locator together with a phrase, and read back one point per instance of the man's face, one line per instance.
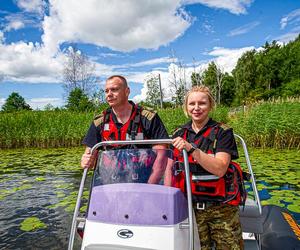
(116, 93)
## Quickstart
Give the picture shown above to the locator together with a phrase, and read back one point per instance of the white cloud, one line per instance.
(18, 21)
(14, 25)
(291, 18)
(2, 101)
(34, 6)
(285, 38)
(150, 62)
(243, 29)
(147, 25)
(1, 37)
(227, 58)
(234, 6)
(29, 62)
(40, 103)
(207, 27)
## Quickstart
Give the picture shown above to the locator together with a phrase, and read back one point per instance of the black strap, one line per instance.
(134, 123)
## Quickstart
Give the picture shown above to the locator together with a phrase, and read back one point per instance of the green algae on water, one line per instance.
(32, 224)
(40, 178)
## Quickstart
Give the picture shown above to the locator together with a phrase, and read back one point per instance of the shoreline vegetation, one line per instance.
(268, 124)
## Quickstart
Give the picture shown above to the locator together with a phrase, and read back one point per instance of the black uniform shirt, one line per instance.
(153, 128)
(225, 138)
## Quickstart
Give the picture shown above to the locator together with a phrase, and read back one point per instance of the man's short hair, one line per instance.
(122, 78)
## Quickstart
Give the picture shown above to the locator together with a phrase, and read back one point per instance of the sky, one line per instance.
(134, 38)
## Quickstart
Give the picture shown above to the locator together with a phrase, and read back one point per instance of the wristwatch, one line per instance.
(193, 148)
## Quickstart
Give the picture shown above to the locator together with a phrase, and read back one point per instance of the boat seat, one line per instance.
(251, 220)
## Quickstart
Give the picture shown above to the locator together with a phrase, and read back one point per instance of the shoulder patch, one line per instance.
(178, 132)
(224, 126)
(149, 114)
(98, 119)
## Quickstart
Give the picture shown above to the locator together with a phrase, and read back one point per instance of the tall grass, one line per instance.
(269, 124)
(43, 128)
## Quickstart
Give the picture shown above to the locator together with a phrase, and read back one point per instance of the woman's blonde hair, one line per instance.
(203, 89)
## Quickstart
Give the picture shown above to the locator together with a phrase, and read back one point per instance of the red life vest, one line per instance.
(131, 130)
(204, 185)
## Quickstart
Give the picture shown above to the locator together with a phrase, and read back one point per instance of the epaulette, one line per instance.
(98, 119)
(148, 113)
(178, 131)
(224, 126)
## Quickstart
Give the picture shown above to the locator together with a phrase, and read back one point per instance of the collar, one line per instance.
(210, 123)
(114, 117)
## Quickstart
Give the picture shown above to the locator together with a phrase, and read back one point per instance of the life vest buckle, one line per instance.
(200, 205)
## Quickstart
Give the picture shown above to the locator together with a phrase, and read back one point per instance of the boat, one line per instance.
(130, 206)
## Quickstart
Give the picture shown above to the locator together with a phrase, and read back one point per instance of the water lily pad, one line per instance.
(294, 208)
(32, 224)
(40, 178)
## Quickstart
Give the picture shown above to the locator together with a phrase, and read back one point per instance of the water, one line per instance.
(43, 184)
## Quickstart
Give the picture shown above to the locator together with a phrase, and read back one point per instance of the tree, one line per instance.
(49, 107)
(196, 79)
(228, 90)
(79, 101)
(196, 76)
(79, 72)
(269, 61)
(177, 81)
(178, 99)
(209, 78)
(98, 97)
(153, 90)
(15, 102)
(245, 75)
(219, 77)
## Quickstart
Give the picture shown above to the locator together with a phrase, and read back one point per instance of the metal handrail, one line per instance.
(187, 175)
(136, 142)
(190, 203)
(253, 182)
(77, 207)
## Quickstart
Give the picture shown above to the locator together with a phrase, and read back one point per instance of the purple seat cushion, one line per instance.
(137, 204)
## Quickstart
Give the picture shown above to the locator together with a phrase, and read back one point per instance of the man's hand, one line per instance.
(87, 159)
(159, 165)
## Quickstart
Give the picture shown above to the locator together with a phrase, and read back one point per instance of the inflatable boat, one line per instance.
(130, 206)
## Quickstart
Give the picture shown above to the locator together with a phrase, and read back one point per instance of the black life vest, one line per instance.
(205, 186)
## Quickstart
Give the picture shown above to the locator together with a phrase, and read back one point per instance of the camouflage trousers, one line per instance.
(219, 226)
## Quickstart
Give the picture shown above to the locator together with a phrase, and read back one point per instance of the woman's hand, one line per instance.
(181, 144)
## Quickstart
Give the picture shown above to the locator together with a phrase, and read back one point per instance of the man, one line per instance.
(122, 121)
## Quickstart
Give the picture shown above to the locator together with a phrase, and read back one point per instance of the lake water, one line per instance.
(38, 190)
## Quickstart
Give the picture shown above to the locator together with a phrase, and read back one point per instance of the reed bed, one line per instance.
(43, 129)
(269, 124)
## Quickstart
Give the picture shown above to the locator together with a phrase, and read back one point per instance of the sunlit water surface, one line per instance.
(43, 184)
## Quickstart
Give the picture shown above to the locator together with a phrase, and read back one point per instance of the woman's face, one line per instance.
(198, 106)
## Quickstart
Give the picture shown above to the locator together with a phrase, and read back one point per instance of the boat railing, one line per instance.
(188, 225)
(249, 166)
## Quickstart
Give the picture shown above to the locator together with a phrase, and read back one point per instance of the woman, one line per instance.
(211, 147)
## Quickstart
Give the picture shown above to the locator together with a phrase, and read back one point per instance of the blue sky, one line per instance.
(133, 38)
